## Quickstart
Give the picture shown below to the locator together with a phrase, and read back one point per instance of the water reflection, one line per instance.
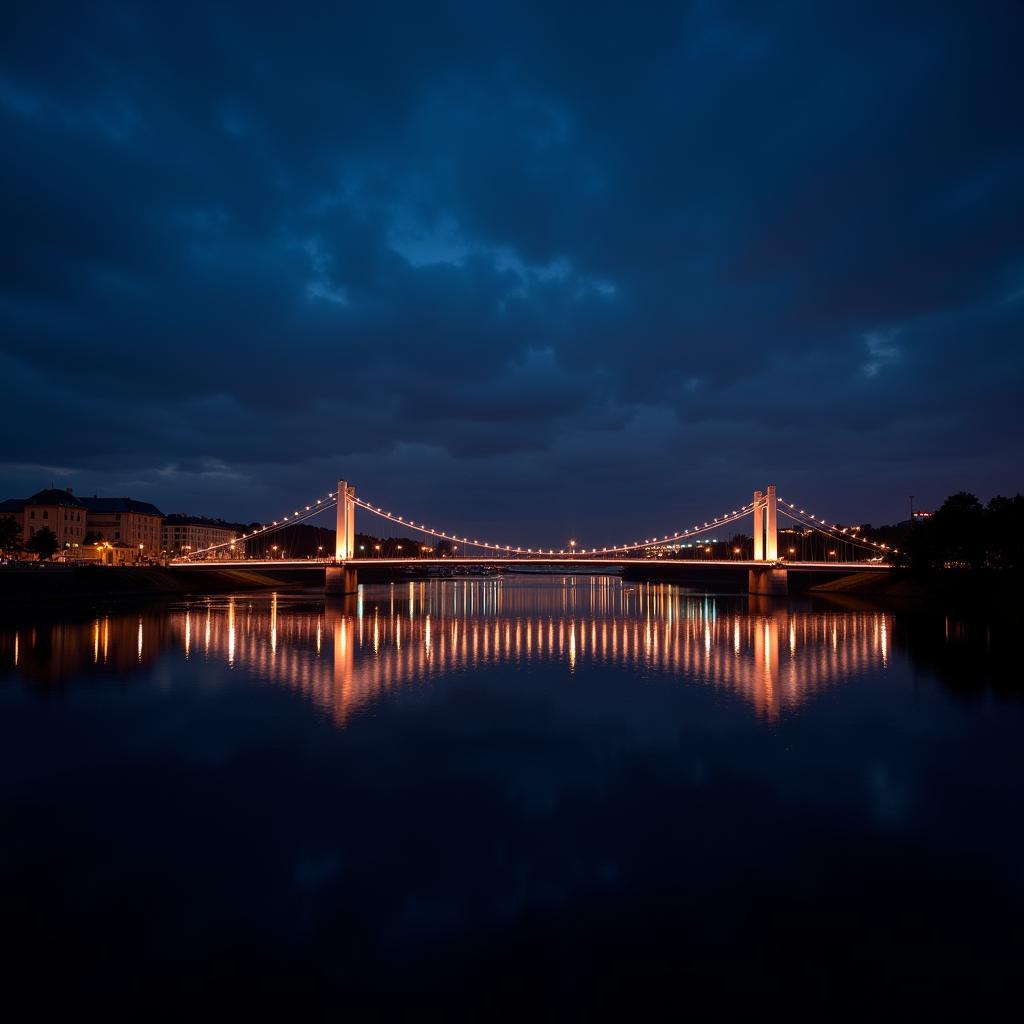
(346, 654)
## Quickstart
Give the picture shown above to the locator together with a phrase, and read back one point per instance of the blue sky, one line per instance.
(514, 268)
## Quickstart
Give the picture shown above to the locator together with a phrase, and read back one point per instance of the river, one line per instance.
(555, 797)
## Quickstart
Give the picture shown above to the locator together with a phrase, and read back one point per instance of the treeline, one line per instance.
(964, 534)
(306, 541)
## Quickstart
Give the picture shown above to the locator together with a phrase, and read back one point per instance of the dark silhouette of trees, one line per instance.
(42, 543)
(958, 530)
(964, 534)
(1004, 529)
(10, 535)
(745, 545)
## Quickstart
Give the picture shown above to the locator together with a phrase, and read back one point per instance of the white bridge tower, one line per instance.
(345, 544)
(766, 529)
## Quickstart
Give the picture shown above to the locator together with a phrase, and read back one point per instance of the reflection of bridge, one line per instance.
(353, 652)
(767, 572)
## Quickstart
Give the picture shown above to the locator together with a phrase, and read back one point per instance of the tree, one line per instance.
(745, 545)
(1004, 532)
(958, 531)
(10, 534)
(42, 543)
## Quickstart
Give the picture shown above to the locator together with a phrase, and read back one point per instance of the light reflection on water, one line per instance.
(569, 788)
(346, 653)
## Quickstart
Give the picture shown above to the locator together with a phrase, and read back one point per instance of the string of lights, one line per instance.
(300, 515)
(834, 530)
(788, 509)
(509, 549)
(319, 505)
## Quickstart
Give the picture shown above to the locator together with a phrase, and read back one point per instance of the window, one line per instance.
(46, 513)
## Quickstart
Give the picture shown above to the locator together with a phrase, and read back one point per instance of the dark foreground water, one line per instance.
(557, 798)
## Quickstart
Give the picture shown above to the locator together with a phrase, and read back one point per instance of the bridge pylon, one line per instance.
(766, 528)
(345, 541)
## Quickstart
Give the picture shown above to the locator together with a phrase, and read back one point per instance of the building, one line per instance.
(104, 552)
(59, 511)
(125, 521)
(181, 534)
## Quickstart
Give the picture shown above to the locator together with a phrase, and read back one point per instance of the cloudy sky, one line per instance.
(539, 270)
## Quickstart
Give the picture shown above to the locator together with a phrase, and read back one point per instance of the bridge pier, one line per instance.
(341, 579)
(770, 581)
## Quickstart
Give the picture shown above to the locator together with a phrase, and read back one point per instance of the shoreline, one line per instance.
(953, 589)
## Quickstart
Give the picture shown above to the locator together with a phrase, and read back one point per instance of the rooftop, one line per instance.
(144, 508)
(180, 519)
(53, 496)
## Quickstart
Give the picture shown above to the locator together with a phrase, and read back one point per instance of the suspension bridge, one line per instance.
(768, 573)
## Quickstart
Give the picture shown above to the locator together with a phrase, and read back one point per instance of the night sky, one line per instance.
(529, 271)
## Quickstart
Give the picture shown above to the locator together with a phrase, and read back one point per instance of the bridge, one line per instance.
(767, 572)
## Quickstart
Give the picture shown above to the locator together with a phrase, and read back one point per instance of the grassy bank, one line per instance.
(973, 589)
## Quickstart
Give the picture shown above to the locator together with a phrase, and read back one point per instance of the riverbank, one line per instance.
(953, 589)
(46, 583)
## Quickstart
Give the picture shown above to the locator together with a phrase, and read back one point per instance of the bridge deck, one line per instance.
(568, 564)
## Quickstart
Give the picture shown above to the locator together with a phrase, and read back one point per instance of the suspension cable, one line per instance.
(833, 531)
(509, 549)
(300, 515)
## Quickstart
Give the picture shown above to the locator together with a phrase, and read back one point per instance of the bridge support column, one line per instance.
(766, 526)
(341, 579)
(345, 542)
(758, 527)
(771, 526)
(768, 582)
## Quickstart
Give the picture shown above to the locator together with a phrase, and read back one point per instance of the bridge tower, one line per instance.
(766, 528)
(345, 543)
(770, 581)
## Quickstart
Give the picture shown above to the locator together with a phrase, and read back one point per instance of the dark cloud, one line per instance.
(625, 266)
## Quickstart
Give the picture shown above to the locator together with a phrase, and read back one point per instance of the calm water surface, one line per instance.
(564, 797)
